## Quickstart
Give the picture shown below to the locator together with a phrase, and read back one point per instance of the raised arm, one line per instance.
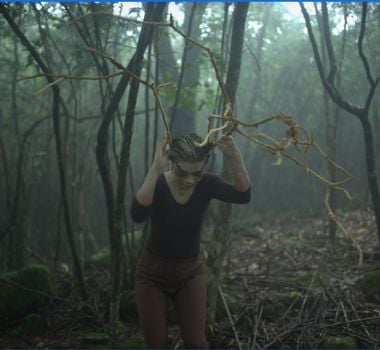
(230, 149)
(140, 208)
(144, 195)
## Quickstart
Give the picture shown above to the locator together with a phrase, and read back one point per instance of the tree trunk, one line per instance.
(371, 169)
(222, 232)
(184, 109)
(116, 208)
(330, 131)
(360, 112)
(56, 124)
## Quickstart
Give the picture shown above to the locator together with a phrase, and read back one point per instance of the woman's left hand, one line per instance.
(228, 146)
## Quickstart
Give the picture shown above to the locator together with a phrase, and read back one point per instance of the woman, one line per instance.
(171, 266)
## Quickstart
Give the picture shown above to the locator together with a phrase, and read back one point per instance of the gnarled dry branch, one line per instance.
(277, 147)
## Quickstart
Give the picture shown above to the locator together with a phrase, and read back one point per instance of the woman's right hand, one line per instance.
(161, 154)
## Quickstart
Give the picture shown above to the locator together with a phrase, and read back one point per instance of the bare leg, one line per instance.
(190, 306)
(151, 306)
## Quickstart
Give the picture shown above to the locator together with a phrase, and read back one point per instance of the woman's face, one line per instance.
(188, 174)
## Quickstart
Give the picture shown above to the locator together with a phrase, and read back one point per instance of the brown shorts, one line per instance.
(170, 275)
(184, 281)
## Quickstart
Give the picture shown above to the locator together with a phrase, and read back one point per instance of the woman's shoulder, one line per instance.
(210, 179)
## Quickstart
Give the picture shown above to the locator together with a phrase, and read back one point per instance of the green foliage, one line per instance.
(25, 290)
(320, 280)
(135, 341)
(102, 258)
(277, 306)
(339, 342)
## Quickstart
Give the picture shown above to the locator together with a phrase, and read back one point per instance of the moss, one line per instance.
(287, 298)
(25, 290)
(279, 304)
(338, 342)
(320, 279)
(370, 285)
(102, 259)
(135, 341)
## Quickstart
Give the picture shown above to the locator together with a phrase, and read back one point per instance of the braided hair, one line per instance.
(183, 149)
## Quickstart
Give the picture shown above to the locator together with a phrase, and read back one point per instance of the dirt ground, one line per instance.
(285, 286)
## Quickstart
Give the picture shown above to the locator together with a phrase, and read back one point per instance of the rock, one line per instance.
(338, 342)
(370, 285)
(24, 291)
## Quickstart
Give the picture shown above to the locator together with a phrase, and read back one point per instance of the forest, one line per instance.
(88, 90)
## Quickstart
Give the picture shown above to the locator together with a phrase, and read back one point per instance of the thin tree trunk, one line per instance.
(371, 169)
(4, 162)
(222, 231)
(183, 65)
(115, 208)
(183, 111)
(330, 131)
(258, 56)
(56, 124)
(362, 113)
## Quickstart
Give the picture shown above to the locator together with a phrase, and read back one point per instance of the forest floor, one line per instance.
(285, 286)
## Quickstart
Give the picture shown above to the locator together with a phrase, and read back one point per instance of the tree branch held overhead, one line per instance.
(227, 117)
(275, 147)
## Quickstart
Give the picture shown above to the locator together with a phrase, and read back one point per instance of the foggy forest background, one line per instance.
(278, 74)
